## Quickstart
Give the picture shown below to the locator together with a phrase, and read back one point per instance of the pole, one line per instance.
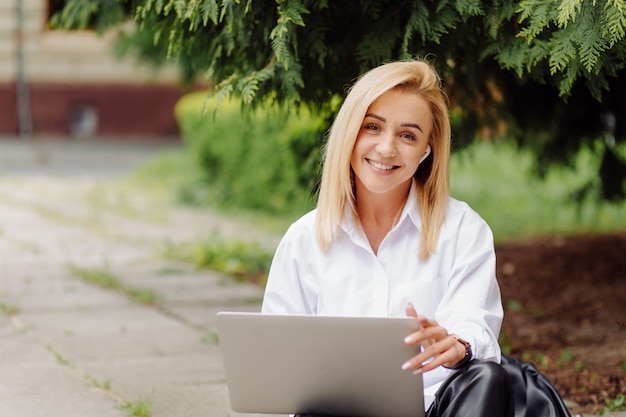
(24, 119)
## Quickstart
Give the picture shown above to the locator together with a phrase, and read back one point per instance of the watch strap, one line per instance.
(468, 353)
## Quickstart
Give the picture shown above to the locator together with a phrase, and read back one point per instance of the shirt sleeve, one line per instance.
(471, 307)
(291, 287)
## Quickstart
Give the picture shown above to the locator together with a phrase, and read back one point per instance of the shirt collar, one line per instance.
(410, 210)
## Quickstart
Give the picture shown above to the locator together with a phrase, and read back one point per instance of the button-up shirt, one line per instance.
(456, 285)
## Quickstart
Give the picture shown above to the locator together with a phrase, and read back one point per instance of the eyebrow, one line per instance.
(382, 119)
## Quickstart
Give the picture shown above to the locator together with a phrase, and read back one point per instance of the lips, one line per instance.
(381, 166)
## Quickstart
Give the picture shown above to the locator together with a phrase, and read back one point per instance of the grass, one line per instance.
(63, 360)
(8, 309)
(105, 279)
(103, 385)
(247, 261)
(139, 408)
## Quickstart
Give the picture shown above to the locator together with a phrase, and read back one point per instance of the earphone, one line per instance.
(428, 149)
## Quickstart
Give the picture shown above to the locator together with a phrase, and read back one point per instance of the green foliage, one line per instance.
(546, 73)
(616, 404)
(244, 260)
(8, 309)
(263, 160)
(139, 408)
(542, 360)
(514, 306)
(98, 15)
(293, 39)
(61, 360)
(567, 357)
(105, 279)
(584, 31)
(498, 180)
(505, 343)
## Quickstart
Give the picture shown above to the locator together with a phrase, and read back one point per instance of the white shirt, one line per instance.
(456, 286)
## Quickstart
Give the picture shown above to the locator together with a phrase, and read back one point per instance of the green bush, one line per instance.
(267, 162)
(263, 160)
(499, 182)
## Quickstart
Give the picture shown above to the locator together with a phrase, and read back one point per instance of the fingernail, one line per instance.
(408, 339)
(406, 366)
(417, 371)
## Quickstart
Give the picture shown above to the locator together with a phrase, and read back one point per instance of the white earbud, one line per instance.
(428, 149)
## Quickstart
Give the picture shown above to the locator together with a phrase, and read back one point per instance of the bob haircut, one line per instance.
(432, 177)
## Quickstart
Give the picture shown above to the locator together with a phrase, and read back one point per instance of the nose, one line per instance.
(386, 146)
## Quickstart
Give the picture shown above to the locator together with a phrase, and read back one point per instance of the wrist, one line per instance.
(467, 353)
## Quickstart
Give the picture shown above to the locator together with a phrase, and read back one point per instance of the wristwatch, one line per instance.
(468, 353)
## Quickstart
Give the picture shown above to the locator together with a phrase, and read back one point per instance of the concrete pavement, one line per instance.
(69, 348)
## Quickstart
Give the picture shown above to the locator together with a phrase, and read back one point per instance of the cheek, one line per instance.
(413, 156)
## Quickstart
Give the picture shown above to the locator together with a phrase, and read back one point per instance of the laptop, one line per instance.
(338, 366)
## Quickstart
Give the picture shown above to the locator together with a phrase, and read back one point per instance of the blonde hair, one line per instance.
(432, 178)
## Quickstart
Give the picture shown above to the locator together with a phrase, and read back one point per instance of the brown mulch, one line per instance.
(565, 311)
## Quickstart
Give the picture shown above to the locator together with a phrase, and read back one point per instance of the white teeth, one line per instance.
(380, 166)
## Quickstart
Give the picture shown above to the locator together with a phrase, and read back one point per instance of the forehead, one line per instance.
(402, 105)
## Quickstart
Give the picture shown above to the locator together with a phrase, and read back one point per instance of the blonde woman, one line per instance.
(386, 239)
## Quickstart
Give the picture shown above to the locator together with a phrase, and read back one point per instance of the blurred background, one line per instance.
(71, 83)
(207, 106)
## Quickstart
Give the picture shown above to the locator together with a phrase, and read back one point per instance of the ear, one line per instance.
(428, 150)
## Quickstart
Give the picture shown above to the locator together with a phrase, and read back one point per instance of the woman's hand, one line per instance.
(437, 345)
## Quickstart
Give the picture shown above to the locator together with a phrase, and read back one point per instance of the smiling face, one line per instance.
(392, 140)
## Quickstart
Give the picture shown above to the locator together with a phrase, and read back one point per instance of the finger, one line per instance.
(410, 310)
(440, 360)
(425, 322)
(448, 356)
(413, 338)
(437, 354)
(434, 351)
(426, 335)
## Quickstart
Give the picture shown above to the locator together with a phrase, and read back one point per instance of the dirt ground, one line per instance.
(565, 311)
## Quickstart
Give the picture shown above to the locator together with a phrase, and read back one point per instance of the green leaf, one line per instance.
(568, 10)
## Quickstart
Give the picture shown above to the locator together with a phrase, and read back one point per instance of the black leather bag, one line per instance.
(533, 394)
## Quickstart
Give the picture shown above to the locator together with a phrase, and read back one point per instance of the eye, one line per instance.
(408, 136)
(372, 127)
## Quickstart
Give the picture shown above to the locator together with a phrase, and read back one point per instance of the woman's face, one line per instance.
(392, 140)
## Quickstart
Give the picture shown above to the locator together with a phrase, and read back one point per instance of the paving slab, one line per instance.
(40, 291)
(185, 385)
(32, 383)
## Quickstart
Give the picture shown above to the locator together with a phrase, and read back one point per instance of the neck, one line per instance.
(378, 214)
(379, 207)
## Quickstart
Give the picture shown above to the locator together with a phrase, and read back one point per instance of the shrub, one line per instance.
(265, 159)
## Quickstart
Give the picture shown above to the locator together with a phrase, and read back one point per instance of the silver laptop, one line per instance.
(338, 366)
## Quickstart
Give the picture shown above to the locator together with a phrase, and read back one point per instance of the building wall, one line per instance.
(71, 74)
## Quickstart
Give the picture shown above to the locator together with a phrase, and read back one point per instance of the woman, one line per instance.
(386, 239)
